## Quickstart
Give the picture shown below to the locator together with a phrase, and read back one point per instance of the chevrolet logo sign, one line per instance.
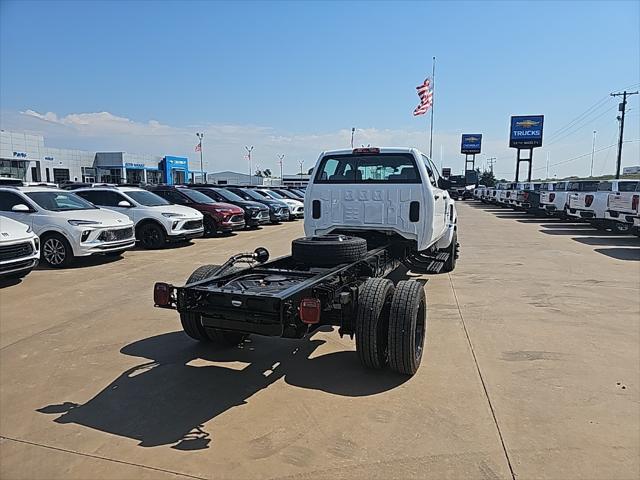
(527, 123)
(471, 139)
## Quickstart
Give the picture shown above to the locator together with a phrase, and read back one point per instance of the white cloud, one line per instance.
(224, 144)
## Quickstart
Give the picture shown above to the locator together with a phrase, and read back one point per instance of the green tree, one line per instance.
(487, 178)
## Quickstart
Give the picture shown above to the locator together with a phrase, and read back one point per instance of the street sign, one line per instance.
(471, 143)
(526, 131)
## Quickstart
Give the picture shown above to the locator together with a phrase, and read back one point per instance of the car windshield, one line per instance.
(366, 168)
(273, 194)
(253, 194)
(60, 201)
(197, 197)
(147, 199)
(287, 194)
(232, 197)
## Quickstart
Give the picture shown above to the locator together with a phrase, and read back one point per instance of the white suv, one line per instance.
(389, 195)
(19, 248)
(296, 207)
(67, 225)
(156, 220)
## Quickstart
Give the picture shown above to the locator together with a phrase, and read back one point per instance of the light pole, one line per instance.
(280, 158)
(353, 131)
(200, 136)
(593, 150)
(301, 162)
(249, 150)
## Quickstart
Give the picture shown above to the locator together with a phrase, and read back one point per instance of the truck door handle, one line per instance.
(436, 197)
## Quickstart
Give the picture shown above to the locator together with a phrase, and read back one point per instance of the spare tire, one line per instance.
(328, 250)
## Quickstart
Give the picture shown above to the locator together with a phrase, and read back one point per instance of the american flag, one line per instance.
(426, 98)
(199, 147)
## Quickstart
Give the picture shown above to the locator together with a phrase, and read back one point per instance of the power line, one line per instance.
(585, 155)
(580, 117)
(579, 127)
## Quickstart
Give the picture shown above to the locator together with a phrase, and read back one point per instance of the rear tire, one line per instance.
(328, 250)
(621, 228)
(372, 321)
(192, 322)
(407, 327)
(453, 250)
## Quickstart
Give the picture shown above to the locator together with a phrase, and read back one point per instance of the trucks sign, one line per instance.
(471, 143)
(526, 131)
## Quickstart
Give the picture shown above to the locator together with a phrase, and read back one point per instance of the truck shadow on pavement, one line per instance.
(632, 254)
(167, 400)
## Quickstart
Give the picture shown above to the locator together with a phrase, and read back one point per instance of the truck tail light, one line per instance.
(588, 200)
(525, 195)
(552, 196)
(635, 200)
(310, 311)
(163, 295)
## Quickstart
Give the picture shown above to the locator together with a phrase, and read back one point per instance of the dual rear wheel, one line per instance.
(391, 324)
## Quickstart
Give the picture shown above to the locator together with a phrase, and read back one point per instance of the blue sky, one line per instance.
(293, 77)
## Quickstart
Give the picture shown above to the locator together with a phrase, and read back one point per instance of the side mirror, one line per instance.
(444, 184)
(261, 254)
(124, 204)
(21, 208)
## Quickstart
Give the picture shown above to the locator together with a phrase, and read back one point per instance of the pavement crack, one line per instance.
(484, 385)
(98, 457)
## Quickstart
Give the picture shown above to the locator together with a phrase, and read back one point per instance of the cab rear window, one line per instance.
(376, 168)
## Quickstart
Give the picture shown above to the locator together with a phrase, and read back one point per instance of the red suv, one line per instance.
(218, 217)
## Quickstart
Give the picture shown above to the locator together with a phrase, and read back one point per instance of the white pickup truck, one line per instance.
(520, 196)
(622, 210)
(557, 202)
(392, 192)
(591, 203)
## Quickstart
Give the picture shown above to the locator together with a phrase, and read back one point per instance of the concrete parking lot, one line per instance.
(532, 370)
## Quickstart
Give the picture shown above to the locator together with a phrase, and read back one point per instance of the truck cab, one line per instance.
(396, 192)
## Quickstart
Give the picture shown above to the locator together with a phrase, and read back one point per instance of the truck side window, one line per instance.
(430, 170)
(605, 187)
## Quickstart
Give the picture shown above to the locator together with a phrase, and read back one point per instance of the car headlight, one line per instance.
(77, 223)
(172, 215)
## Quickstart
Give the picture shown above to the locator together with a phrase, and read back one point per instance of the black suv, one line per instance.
(255, 214)
(278, 210)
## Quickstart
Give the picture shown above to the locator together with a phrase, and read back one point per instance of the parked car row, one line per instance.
(57, 225)
(606, 204)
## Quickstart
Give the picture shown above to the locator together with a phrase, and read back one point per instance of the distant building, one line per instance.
(25, 156)
(234, 178)
(631, 170)
(299, 180)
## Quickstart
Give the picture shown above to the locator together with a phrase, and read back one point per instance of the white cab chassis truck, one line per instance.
(366, 211)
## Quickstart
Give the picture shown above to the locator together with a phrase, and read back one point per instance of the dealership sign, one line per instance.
(446, 172)
(20, 154)
(134, 165)
(471, 143)
(526, 131)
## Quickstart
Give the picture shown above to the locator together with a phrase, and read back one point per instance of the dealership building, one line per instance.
(25, 156)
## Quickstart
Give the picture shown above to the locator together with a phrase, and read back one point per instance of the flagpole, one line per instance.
(433, 91)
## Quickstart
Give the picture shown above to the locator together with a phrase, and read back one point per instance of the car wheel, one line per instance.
(407, 327)
(621, 227)
(151, 236)
(453, 250)
(372, 321)
(56, 251)
(210, 227)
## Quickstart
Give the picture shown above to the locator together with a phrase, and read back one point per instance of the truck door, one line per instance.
(439, 198)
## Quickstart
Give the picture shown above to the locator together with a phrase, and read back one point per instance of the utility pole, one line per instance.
(249, 150)
(548, 157)
(281, 157)
(593, 150)
(491, 161)
(622, 107)
(200, 137)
